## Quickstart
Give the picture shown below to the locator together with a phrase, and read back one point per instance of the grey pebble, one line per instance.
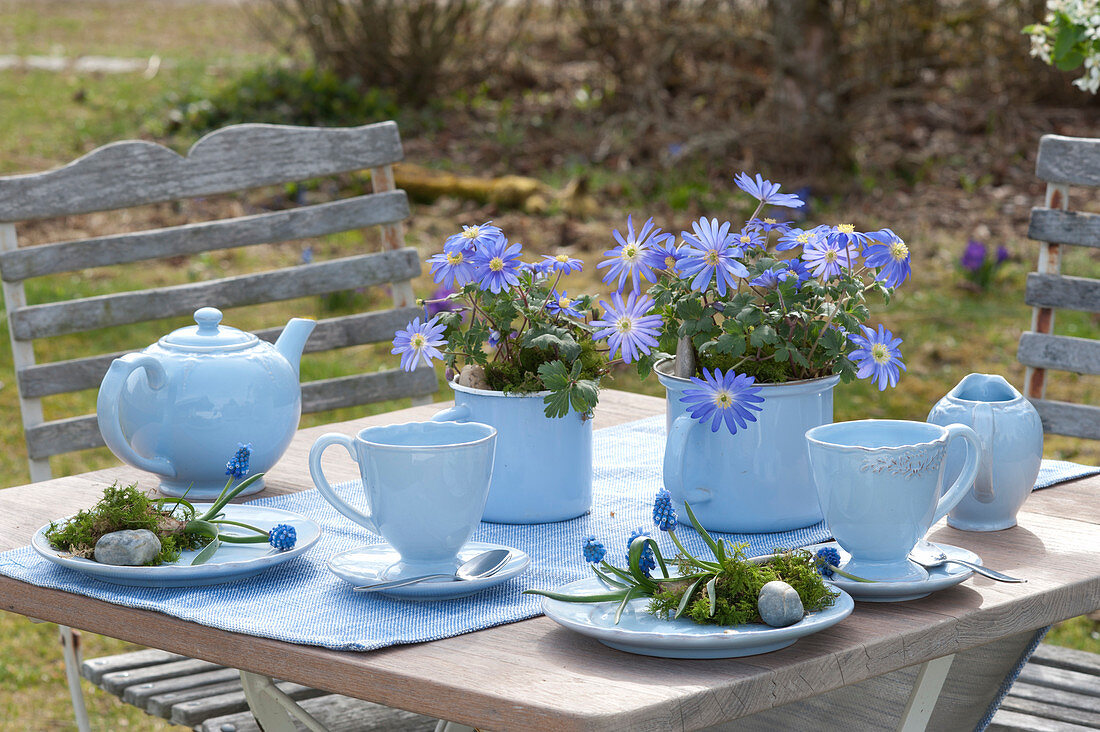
(130, 548)
(779, 605)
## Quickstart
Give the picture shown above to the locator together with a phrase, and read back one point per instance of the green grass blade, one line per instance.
(630, 595)
(712, 594)
(687, 598)
(699, 528)
(207, 552)
(604, 597)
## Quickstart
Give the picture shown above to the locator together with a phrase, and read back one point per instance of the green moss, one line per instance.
(738, 587)
(766, 370)
(122, 508)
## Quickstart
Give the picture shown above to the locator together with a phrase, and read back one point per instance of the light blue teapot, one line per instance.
(180, 407)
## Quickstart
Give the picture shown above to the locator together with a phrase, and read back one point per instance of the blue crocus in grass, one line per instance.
(593, 550)
(826, 258)
(472, 238)
(497, 264)
(452, 269)
(828, 559)
(560, 303)
(648, 561)
(889, 252)
(562, 263)
(730, 397)
(237, 467)
(710, 255)
(664, 515)
(877, 356)
(419, 342)
(765, 191)
(626, 327)
(282, 537)
(635, 257)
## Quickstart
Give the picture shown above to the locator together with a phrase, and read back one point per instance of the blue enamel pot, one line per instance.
(758, 480)
(543, 469)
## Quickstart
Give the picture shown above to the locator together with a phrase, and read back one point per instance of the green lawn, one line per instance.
(50, 118)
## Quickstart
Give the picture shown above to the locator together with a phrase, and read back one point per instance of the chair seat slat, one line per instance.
(230, 159)
(1061, 291)
(1064, 353)
(75, 316)
(1064, 227)
(1071, 420)
(1072, 160)
(298, 223)
(60, 377)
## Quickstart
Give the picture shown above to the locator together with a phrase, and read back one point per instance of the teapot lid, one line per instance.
(207, 333)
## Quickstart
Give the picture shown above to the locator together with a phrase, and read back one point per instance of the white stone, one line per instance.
(473, 376)
(779, 605)
(130, 547)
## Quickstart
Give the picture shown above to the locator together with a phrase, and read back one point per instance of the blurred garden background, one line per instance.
(556, 120)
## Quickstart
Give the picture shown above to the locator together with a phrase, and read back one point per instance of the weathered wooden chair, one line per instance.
(136, 173)
(1059, 689)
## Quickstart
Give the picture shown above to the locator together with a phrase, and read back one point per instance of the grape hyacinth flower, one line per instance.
(472, 238)
(828, 559)
(710, 254)
(419, 342)
(729, 397)
(648, 562)
(562, 304)
(282, 537)
(562, 263)
(634, 257)
(826, 258)
(593, 550)
(765, 191)
(237, 467)
(664, 515)
(889, 252)
(877, 356)
(452, 269)
(626, 327)
(497, 264)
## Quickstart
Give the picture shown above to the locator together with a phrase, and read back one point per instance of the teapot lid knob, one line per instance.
(208, 319)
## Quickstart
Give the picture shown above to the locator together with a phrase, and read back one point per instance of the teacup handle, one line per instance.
(962, 484)
(675, 447)
(457, 413)
(326, 490)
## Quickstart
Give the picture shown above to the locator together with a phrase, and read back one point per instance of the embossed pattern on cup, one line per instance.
(880, 484)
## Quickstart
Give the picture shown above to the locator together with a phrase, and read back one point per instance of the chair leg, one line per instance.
(925, 694)
(272, 708)
(70, 647)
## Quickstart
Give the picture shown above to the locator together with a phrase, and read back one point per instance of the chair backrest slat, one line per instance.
(63, 435)
(91, 313)
(297, 223)
(60, 377)
(1064, 353)
(1070, 160)
(343, 391)
(135, 173)
(1071, 420)
(1064, 227)
(1062, 291)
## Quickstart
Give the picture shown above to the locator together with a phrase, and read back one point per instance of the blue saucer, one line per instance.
(939, 578)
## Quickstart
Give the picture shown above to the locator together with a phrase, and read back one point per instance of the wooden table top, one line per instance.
(535, 674)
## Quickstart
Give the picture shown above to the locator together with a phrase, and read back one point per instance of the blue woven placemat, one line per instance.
(302, 602)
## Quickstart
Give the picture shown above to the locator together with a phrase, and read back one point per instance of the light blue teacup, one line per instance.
(880, 485)
(425, 485)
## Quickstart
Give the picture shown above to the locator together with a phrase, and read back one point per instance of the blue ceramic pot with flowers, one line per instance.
(757, 480)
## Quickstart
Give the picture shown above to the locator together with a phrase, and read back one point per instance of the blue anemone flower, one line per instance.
(828, 559)
(889, 252)
(826, 257)
(634, 257)
(664, 515)
(729, 397)
(452, 269)
(560, 303)
(710, 255)
(419, 342)
(877, 356)
(283, 537)
(648, 561)
(593, 550)
(626, 327)
(472, 238)
(765, 191)
(497, 264)
(562, 263)
(237, 467)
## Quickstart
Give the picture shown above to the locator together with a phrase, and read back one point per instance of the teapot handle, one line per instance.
(110, 391)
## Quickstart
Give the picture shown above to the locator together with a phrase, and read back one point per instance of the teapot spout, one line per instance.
(292, 341)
